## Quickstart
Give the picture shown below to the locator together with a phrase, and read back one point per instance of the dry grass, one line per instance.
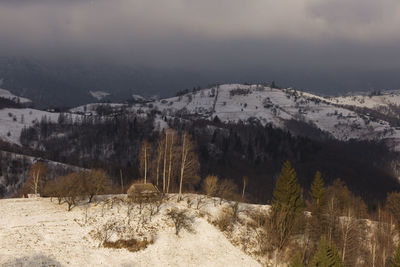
(226, 219)
(133, 245)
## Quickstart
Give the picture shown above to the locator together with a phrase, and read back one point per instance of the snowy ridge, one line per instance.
(99, 95)
(368, 101)
(13, 120)
(138, 98)
(8, 95)
(236, 102)
(335, 116)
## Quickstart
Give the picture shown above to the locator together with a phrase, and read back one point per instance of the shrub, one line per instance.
(181, 220)
(224, 221)
(95, 182)
(227, 217)
(210, 185)
(227, 189)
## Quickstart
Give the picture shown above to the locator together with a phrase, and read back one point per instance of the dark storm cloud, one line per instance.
(207, 34)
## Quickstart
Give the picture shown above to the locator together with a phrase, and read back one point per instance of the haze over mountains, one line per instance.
(68, 83)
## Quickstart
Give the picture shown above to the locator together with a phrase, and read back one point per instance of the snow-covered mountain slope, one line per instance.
(8, 95)
(236, 102)
(368, 101)
(138, 98)
(92, 108)
(337, 117)
(38, 232)
(13, 120)
(99, 95)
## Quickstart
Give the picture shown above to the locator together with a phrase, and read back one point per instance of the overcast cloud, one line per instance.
(208, 34)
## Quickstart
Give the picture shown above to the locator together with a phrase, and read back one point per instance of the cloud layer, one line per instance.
(209, 34)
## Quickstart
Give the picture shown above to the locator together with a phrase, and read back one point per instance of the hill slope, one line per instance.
(36, 231)
(236, 102)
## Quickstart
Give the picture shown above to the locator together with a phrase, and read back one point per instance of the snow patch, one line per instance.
(99, 95)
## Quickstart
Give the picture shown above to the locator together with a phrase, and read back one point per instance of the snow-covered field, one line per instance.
(38, 232)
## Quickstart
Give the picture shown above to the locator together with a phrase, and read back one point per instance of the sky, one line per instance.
(307, 39)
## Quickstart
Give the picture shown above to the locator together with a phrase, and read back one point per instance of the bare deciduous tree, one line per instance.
(245, 180)
(71, 188)
(144, 159)
(165, 161)
(189, 166)
(35, 181)
(171, 155)
(210, 185)
(381, 242)
(349, 239)
(95, 182)
(157, 160)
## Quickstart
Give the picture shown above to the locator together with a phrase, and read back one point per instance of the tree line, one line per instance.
(332, 227)
(69, 188)
(230, 151)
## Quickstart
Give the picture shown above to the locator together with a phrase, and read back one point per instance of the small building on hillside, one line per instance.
(143, 192)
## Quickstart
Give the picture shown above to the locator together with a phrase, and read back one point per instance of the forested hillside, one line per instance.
(230, 150)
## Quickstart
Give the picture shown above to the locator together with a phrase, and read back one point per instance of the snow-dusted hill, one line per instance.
(38, 232)
(236, 102)
(338, 117)
(99, 95)
(368, 101)
(13, 120)
(8, 95)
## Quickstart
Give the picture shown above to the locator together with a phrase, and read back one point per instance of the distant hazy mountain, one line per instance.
(71, 84)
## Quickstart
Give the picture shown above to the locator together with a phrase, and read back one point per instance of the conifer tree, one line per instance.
(287, 191)
(326, 255)
(296, 261)
(396, 257)
(317, 223)
(318, 191)
(286, 208)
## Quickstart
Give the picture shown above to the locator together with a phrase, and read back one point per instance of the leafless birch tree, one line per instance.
(189, 163)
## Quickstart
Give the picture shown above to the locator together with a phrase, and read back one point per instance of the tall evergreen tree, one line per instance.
(286, 208)
(326, 255)
(287, 191)
(317, 190)
(396, 257)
